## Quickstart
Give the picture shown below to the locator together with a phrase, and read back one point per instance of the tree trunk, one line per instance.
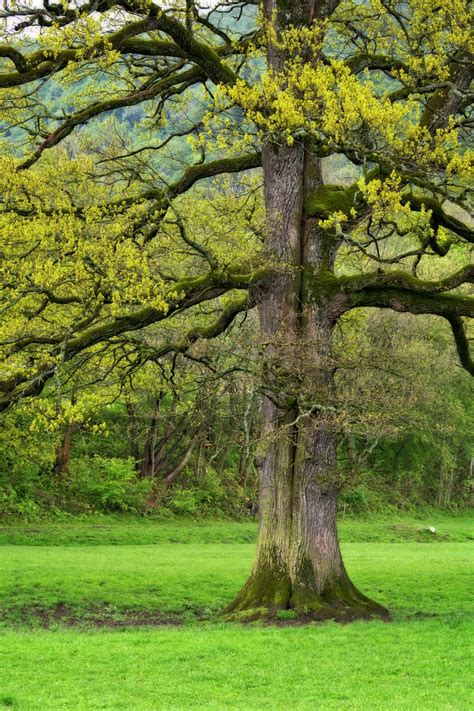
(148, 460)
(134, 433)
(64, 448)
(182, 463)
(63, 451)
(298, 564)
(247, 449)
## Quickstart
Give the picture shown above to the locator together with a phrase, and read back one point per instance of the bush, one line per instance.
(12, 505)
(363, 499)
(91, 484)
(183, 502)
(213, 494)
(355, 500)
(107, 484)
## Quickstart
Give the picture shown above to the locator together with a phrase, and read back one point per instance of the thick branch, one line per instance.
(404, 300)
(380, 281)
(40, 64)
(447, 101)
(190, 292)
(206, 332)
(462, 344)
(232, 164)
(359, 62)
(184, 79)
(202, 54)
(441, 218)
(451, 306)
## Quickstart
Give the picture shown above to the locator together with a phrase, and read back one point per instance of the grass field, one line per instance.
(124, 614)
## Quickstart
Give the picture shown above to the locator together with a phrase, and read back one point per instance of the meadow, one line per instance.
(126, 614)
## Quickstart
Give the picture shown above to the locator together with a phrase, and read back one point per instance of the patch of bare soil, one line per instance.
(110, 617)
(97, 617)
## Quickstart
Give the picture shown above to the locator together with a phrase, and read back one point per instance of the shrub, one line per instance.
(107, 484)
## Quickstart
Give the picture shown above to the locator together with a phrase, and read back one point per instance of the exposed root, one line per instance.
(318, 612)
(274, 599)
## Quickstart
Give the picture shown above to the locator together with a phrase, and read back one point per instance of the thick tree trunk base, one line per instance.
(343, 608)
(270, 596)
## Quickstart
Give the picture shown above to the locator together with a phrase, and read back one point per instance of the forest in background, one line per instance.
(181, 437)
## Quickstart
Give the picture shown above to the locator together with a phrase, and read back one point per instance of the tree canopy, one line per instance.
(94, 245)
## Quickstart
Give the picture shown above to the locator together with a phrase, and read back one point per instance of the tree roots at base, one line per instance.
(278, 603)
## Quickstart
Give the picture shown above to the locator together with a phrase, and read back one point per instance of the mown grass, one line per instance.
(199, 579)
(412, 666)
(419, 661)
(134, 530)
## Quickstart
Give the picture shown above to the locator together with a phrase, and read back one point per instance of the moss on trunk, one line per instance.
(266, 594)
(275, 586)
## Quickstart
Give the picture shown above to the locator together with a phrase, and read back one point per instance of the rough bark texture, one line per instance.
(63, 451)
(298, 564)
(64, 447)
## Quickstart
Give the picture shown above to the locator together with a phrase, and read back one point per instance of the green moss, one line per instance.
(320, 284)
(251, 614)
(304, 592)
(328, 199)
(269, 586)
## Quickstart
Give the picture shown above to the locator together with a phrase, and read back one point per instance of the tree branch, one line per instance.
(185, 45)
(185, 79)
(190, 292)
(380, 281)
(440, 218)
(40, 64)
(200, 171)
(450, 306)
(462, 344)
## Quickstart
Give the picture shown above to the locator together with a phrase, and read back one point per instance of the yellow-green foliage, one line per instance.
(95, 236)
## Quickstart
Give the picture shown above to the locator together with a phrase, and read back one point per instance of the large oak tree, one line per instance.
(384, 84)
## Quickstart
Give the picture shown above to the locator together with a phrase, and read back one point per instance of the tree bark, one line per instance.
(182, 463)
(63, 451)
(64, 447)
(134, 434)
(298, 564)
(148, 461)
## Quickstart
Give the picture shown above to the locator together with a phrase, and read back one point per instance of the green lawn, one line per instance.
(133, 530)
(421, 660)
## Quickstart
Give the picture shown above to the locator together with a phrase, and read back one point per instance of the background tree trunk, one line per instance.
(64, 447)
(63, 451)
